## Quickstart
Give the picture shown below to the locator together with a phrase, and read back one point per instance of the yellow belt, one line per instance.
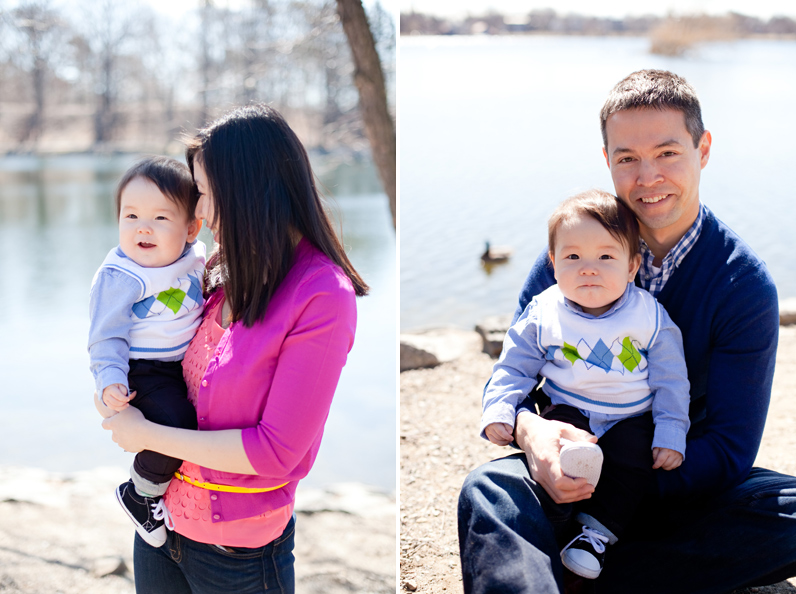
(224, 488)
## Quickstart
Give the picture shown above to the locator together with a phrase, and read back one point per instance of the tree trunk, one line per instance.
(369, 78)
(205, 44)
(104, 116)
(37, 121)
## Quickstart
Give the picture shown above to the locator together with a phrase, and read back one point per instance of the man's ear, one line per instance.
(704, 148)
(193, 229)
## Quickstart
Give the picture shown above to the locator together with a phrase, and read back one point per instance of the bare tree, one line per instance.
(325, 57)
(40, 29)
(369, 79)
(382, 26)
(219, 45)
(119, 75)
(112, 28)
(204, 64)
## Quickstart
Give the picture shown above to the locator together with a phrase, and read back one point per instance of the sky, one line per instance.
(176, 8)
(607, 8)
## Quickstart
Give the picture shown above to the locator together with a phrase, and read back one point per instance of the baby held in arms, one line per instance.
(613, 365)
(146, 304)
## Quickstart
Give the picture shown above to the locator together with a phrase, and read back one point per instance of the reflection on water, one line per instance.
(57, 222)
(495, 132)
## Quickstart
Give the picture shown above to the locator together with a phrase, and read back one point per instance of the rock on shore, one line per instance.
(65, 533)
(432, 347)
(787, 311)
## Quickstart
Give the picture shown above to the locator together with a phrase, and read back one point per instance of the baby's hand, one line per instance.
(666, 458)
(499, 433)
(115, 397)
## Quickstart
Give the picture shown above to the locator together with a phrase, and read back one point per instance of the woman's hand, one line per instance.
(102, 408)
(220, 450)
(129, 429)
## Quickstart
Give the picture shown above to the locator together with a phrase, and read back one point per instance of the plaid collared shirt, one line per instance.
(653, 281)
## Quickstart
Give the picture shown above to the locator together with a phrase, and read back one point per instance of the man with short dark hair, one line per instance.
(715, 523)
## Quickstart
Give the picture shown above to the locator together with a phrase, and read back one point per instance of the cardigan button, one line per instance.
(216, 517)
(214, 497)
(204, 383)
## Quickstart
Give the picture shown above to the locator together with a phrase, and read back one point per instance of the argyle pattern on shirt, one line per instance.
(655, 281)
(185, 295)
(621, 356)
(168, 308)
(597, 364)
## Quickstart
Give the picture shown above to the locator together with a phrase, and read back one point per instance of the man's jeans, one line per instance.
(511, 534)
(184, 566)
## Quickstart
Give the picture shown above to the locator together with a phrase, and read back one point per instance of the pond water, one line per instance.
(495, 131)
(57, 222)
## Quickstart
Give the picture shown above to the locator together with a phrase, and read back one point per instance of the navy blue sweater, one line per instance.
(724, 301)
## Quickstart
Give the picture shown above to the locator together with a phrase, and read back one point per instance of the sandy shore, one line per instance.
(440, 413)
(66, 534)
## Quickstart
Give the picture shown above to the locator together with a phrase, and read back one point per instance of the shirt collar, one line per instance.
(616, 306)
(677, 253)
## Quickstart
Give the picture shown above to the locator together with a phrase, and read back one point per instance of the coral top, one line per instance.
(189, 505)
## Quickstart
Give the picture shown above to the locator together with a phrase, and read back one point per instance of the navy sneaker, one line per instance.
(142, 511)
(584, 556)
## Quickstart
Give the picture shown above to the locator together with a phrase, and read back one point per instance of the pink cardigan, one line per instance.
(276, 380)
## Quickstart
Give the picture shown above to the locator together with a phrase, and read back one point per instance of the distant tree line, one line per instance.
(116, 75)
(549, 21)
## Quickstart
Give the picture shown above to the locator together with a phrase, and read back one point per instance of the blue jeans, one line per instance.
(185, 566)
(511, 533)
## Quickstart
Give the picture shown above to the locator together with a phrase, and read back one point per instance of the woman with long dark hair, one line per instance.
(278, 325)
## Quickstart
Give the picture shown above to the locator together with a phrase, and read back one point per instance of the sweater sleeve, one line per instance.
(514, 374)
(112, 297)
(539, 278)
(307, 371)
(668, 380)
(722, 446)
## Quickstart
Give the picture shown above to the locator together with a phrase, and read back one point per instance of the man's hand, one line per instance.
(540, 439)
(666, 458)
(499, 433)
(115, 397)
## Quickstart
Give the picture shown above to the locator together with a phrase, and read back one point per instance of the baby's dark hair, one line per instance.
(605, 208)
(172, 178)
